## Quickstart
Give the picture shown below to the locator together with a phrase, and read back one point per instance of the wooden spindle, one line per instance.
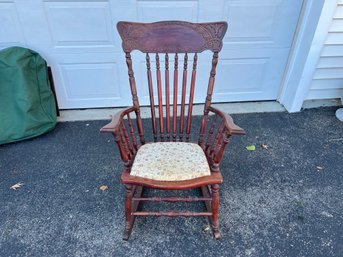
(132, 133)
(219, 145)
(159, 93)
(172, 213)
(167, 96)
(183, 98)
(191, 97)
(124, 142)
(151, 96)
(220, 152)
(211, 131)
(175, 97)
(172, 199)
(217, 141)
(129, 145)
(135, 97)
(122, 151)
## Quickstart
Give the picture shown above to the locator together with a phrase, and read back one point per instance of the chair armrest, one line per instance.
(124, 135)
(231, 127)
(214, 137)
(114, 125)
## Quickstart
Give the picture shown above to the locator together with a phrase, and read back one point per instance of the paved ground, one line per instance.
(282, 201)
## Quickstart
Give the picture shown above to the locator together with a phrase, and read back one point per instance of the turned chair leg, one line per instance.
(128, 212)
(130, 207)
(215, 207)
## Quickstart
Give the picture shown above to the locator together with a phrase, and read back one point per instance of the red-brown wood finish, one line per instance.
(159, 90)
(176, 60)
(151, 97)
(183, 96)
(191, 97)
(179, 37)
(174, 40)
(172, 199)
(167, 96)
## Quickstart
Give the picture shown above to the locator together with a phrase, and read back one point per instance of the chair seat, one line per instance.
(170, 161)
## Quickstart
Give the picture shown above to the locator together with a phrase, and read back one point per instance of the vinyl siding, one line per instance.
(327, 81)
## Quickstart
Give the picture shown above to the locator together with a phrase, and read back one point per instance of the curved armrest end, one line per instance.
(114, 125)
(232, 128)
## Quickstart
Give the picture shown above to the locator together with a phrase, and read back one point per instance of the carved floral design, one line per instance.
(211, 34)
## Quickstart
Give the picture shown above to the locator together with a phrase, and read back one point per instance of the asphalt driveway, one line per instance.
(282, 201)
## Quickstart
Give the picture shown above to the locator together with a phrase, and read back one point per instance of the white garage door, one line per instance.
(79, 40)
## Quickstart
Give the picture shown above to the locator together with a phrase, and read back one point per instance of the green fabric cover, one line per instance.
(27, 105)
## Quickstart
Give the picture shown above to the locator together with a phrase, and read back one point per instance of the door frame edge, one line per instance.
(302, 59)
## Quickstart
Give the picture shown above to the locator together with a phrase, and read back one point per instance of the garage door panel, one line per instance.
(95, 80)
(80, 24)
(155, 10)
(149, 11)
(34, 24)
(260, 23)
(257, 24)
(243, 75)
(249, 75)
(11, 32)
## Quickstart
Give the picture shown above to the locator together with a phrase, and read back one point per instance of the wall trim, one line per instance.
(306, 45)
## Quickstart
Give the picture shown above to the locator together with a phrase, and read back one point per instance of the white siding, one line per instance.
(327, 81)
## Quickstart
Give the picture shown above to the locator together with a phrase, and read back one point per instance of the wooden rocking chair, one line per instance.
(174, 163)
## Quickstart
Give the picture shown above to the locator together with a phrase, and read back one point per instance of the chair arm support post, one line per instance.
(123, 154)
(220, 153)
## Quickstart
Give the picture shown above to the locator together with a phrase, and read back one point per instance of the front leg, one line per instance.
(215, 209)
(128, 212)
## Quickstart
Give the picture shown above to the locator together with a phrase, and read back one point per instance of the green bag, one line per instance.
(27, 104)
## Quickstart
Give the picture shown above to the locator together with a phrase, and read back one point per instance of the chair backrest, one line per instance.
(167, 37)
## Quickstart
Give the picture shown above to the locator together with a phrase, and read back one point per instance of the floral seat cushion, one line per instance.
(170, 161)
